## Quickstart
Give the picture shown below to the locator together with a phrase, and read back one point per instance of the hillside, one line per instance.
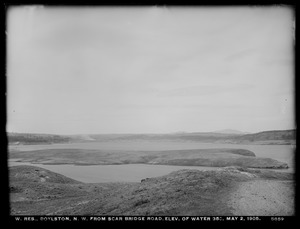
(36, 191)
(230, 131)
(285, 135)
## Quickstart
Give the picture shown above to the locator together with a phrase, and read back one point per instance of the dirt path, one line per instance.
(263, 198)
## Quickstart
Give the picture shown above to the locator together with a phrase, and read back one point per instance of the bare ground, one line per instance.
(226, 191)
(263, 198)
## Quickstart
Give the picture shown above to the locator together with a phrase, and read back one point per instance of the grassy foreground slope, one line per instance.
(37, 191)
(195, 157)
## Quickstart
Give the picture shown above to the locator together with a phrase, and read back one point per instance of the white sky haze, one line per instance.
(149, 69)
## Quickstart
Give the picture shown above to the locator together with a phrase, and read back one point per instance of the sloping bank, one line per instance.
(37, 191)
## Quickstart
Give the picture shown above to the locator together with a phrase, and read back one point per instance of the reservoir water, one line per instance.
(136, 172)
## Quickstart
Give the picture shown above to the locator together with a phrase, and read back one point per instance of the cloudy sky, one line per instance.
(150, 69)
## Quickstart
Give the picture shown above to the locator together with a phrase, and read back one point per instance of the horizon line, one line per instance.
(177, 132)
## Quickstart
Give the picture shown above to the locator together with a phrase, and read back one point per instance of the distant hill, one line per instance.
(222, 136)
(230, 131)
(285, 135)
(225, 136)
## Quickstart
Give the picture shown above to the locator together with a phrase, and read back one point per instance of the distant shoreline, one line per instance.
(285, 137)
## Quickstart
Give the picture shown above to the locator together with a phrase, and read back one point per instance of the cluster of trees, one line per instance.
(15, 138)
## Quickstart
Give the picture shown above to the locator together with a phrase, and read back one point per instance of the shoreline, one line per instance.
(17, 160)
(124, 172)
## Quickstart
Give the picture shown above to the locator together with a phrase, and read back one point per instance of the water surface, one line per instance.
(111, 173)
(136, 172)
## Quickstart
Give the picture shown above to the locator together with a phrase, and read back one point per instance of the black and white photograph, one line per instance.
(166, 112)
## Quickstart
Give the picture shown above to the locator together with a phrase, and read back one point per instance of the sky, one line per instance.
(86, 70)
